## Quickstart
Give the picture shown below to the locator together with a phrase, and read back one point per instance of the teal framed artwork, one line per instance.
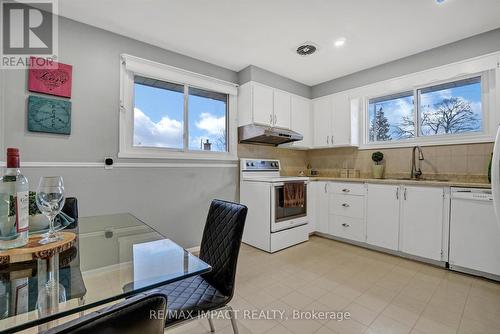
(49, 115)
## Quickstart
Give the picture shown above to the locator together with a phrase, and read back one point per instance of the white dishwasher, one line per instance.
(474, 233)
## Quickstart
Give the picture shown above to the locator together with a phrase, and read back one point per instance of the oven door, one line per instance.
(284, 218)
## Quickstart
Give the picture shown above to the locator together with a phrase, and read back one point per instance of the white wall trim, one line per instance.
(32, 164)
(161, 71)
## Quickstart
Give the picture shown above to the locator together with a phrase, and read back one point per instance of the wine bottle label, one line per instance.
(22, 211)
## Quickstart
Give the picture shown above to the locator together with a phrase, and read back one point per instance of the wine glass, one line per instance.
(50, 201)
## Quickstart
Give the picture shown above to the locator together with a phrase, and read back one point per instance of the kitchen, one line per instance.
(362, 142)
(415, 208)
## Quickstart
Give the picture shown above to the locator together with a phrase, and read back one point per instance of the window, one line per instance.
(159, 116)
(172, 113)
(207, 120)
(391, 117)
(449, 109)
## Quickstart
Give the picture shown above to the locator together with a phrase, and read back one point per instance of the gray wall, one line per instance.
(254, 73)
(474, 46)
(173, 200)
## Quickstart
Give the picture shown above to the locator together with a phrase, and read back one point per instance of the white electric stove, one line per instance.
(270, 225)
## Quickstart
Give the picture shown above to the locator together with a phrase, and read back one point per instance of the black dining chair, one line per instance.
(196, 296)
(141, 314)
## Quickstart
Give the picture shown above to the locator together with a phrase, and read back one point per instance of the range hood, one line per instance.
(259, 134)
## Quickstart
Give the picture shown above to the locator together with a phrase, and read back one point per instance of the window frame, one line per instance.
(444, 139)
(131, 66)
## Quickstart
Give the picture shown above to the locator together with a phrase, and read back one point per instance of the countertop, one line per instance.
(423, 182)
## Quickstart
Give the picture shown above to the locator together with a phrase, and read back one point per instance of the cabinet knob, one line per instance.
(345, 225)
(345, 205)
(346, 190)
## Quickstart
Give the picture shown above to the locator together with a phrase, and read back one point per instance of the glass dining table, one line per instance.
(114, 256)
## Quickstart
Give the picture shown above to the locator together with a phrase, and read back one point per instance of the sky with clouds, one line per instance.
(396, 109)
(159, 119)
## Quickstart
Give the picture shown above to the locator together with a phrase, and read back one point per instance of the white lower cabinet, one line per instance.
(382, 215)
(405, 219)
(347, 211)
(421, 228)
(321, 207)
(347, 227)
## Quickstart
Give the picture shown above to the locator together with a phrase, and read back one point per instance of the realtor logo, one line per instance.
(29, 28)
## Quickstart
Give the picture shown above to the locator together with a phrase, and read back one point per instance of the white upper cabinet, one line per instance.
(422, 222)
(282, 108)
(382, 215)
(329, 121)
(322, 113)
(335, 121)
(301, 120)
(262, 104)
(341, 120)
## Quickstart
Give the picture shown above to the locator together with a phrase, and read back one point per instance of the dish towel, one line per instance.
(293, 192)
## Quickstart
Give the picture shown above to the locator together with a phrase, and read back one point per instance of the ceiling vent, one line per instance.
(306, 49)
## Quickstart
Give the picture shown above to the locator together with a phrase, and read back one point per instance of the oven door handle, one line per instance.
(281, 184)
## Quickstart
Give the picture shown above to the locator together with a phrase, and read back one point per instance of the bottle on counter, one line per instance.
(14, 204)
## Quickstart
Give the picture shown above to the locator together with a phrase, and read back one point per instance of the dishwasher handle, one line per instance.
(473, 196)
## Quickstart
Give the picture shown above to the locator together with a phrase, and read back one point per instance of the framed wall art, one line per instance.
(49, 115)
(53, 80)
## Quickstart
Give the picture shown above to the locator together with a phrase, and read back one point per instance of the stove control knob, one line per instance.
(248, 164)
(252, 164)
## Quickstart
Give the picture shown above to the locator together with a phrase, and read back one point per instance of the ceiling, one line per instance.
(265, 33)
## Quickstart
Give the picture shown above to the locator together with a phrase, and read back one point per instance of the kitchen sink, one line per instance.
(420, 179)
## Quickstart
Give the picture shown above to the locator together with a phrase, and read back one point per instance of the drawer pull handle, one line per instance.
(346, 190)
(345, 205)
(345, 225)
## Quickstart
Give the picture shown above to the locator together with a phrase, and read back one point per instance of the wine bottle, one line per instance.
(14, 204)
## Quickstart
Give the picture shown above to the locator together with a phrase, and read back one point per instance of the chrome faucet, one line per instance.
(416, 173)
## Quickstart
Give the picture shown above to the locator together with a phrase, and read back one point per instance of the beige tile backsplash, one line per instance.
(292, 161)
(468, 162)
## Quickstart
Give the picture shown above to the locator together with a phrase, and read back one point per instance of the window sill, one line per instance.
(430, 142)
(173, 155)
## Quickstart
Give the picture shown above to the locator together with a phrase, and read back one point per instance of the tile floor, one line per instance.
(384, 294)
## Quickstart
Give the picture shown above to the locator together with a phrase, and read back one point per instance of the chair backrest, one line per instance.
(142, 314)
(221, 242)
(71, 209)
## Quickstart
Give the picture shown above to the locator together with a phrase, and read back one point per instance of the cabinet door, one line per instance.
(312, 193)
(422, 221)
(341, 119)
(382, 224)
(262, 104)
(322, 111)
(282, 101)
(322, 207)
(301, 120)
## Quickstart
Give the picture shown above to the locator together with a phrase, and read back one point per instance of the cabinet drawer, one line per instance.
(347, 227)
(347, 188)
(347, 205)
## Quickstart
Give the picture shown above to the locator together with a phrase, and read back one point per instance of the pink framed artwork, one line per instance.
(53, 80)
